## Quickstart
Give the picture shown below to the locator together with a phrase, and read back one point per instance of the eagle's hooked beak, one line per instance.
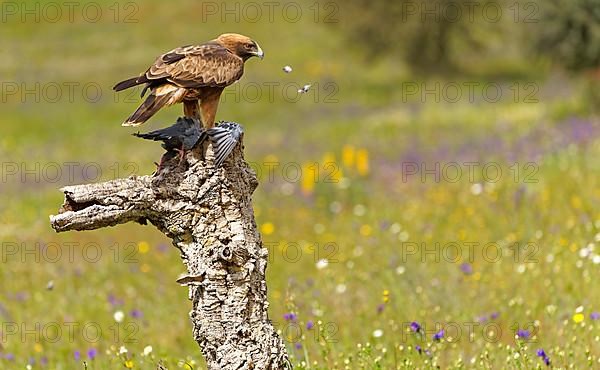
(259, 53)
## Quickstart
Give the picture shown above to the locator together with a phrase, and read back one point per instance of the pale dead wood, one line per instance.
(208, 214)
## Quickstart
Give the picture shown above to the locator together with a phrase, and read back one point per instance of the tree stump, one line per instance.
(207, 212)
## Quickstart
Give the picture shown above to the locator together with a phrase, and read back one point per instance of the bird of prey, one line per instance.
(192, 74)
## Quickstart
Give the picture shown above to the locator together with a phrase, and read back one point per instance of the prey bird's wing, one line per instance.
(224, 137)
(207, 65)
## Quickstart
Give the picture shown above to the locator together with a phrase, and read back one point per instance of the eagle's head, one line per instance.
(240, 45)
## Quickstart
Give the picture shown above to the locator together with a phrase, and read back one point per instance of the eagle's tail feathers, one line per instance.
(149, 107)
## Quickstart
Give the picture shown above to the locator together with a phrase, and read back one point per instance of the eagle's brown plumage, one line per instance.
(192, 74)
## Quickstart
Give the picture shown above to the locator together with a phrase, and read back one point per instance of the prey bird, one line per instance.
(194, 75)
(180, 137)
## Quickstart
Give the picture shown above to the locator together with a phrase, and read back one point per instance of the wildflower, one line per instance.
(418, 349)
(494, 315)
(136, 314)
(578, 317)
(439, 335)
(290, 316)
(298, 346)
(377, 333)
(476, 189)
(92, 353)
(466, 268)
(414, 326)
(77, 355)
(122, 350)
(542, 354)
(322, 263)
(9, 357)
(119, 316)
(129, 364)
(362, 162)
(380, 307)
(143, 247)
(523, 334)
(267, 228)
(147, 350)
(595, 315)
(310, 325)
(114, 301)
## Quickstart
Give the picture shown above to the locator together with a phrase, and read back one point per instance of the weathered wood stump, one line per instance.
(207, 212)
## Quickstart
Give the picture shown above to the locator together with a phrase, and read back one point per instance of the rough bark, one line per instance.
(208, 214)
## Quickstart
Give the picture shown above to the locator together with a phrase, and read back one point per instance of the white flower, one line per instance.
(377, 333)
(287, 69)
(476, 189)
(119, 316)
(147, 350)
(122, 350)
(322, 263)
(340, 288)
(360, 210)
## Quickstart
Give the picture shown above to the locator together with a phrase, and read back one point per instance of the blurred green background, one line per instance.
(442, 170)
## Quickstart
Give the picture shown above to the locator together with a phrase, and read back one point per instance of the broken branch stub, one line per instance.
(207, 212)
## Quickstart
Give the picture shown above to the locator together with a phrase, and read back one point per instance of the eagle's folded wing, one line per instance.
(208, 65)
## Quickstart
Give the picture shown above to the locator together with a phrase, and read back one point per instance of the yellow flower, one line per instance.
(145, 267)
(348, 155)
(310, 174)
(576, 202)
(362, 162)
(38, 347)
(386, 296)
(143, 247)
(366, 230)
(578, 317)
(267, 228)
(129, 364)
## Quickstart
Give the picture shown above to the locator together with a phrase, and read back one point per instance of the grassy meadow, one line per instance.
(405, 229)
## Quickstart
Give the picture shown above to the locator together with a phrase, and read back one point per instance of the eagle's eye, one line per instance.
(248, 46)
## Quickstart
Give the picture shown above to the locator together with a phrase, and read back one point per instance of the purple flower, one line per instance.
(494, 315)
(136, 314)
(439, 335)
(114, 300)
(309, 325)
(9, 357)
(44, 360)
(298, 346)
(466, 268)
(418, 348)
(92, 353)
(380, 307)
(523, 334)
(31, 360)
(595, 315)
(414, 326)
(542, 354)
(290, 316)
(77, 355)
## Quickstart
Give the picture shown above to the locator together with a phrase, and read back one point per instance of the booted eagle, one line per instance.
(192, 74)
